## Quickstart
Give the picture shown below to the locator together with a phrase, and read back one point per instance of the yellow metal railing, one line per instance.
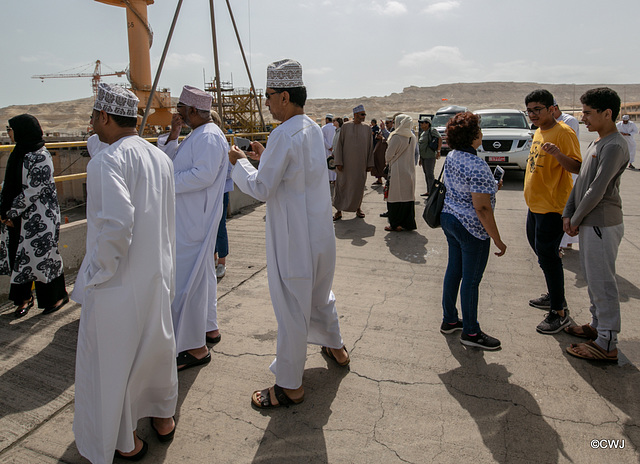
(83, 144)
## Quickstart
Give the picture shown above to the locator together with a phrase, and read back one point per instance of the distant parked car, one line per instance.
(506, 138)
(440, 121)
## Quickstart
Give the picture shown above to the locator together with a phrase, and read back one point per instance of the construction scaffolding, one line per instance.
(240, 107)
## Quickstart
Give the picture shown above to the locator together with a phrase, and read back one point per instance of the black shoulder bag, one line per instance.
(435, 202)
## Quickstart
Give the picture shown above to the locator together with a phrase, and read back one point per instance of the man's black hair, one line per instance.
(540, 96)
(297, 95)
(602, 98)
(124, 121)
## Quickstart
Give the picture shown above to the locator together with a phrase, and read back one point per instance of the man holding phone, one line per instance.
(554, 155)
(300, 239)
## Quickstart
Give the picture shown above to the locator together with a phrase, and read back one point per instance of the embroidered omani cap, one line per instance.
(117, 100)
(625, 117)
(358, 109)
(284, 74)
(196, 98)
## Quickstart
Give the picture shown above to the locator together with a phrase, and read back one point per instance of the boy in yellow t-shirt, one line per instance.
(554, 155)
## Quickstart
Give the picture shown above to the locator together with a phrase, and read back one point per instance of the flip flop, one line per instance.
(214, 340)
(265, 401)
(187, 360)
(329, 354)
(594, 352)
(167, 437)
(582, 331)
(136, 457)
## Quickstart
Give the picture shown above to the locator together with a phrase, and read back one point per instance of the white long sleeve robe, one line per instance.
(328, 133)
(200, 165)
(125, 362)
(300, 241)
(631, 129)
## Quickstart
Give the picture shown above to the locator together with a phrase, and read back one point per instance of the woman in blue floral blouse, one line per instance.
(468, 223)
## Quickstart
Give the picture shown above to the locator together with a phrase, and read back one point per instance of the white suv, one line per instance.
(506, 138)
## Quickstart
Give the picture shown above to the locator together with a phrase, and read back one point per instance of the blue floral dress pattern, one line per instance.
(465, 173)
(37, 257)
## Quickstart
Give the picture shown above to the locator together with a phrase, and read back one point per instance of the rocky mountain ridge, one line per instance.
(72, 117)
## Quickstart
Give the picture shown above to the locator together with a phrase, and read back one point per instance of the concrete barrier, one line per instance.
(73, 237)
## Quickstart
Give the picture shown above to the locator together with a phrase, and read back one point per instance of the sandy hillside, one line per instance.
(72, 117)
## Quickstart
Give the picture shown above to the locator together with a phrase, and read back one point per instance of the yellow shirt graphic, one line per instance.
(546, 183)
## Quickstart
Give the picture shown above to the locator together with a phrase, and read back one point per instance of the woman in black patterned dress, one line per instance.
(30, 211)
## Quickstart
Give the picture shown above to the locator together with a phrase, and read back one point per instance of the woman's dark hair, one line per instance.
(602, 98)
(297, 95)
(340, 121)
(462, 130)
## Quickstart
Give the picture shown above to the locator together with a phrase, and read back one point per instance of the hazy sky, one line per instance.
(348, 48)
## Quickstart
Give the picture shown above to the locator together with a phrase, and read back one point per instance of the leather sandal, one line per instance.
(264, 401)
(329, 354)
(136, 457)
(186, 360)
(167, 437)
(582, 331)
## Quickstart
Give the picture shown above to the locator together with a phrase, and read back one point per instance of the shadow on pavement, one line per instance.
(618, 384)
(408, 246)
(507, 415)
(46, 375)
(295, 434)
(354, 229)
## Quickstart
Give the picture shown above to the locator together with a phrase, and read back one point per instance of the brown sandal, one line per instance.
(337, 216)
(329, 354)
(582, 331)
(278, 392)
(593, 352)
(360, 214)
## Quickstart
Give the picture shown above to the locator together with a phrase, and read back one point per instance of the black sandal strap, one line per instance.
(281, 396)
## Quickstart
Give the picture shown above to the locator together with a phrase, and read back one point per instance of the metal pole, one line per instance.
(246, 65)
(215, 62)
(155, 82)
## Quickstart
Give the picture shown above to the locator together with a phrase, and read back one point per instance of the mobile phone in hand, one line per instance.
(242, 143)
(498, 174)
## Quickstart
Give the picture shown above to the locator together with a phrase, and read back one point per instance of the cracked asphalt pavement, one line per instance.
(411, 394)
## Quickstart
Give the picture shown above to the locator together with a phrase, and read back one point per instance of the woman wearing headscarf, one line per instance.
(402, 176)
(29, 209)
(469, 224)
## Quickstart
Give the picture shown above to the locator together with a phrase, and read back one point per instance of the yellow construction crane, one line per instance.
(95, 76)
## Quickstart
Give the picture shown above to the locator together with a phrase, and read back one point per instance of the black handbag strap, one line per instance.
(441, 171)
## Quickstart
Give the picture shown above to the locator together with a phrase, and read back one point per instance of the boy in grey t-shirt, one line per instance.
(594, 209)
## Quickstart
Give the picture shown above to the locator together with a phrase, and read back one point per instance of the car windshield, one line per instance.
(503, 120)
(442, 119)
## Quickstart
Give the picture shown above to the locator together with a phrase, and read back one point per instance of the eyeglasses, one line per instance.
(537, 110)
(362, 114)
(268, 95)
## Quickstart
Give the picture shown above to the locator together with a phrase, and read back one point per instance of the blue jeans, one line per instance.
(222, 240)
(468, 258)
(544, 232)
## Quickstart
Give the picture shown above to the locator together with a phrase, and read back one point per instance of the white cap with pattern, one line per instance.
(114, 99)
(284, 74)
